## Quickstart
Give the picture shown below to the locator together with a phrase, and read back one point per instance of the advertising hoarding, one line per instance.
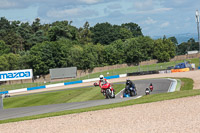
(16, 74)
(59, 73)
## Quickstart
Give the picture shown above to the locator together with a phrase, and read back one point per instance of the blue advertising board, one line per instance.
(16, 75)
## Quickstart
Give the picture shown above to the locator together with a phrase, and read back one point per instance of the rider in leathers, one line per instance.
(103, 81)
(130, 84)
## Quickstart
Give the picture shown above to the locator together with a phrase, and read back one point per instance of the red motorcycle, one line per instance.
(107, 90)
(151, 87)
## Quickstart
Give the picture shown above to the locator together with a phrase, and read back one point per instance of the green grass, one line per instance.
(65, 96)
(145, 99)
(187, 84)
(111, 72)
(178, 86)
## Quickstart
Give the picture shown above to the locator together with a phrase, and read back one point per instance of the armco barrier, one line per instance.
(90, 80)
(142, 73)
(112, 77)
(73, 82)
(55, 85)
(35, 88)
(4, 92)
(122, 75)
(172, 85)
(17, 90)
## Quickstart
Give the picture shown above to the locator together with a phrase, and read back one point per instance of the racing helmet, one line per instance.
(101, 77)
(127, 81)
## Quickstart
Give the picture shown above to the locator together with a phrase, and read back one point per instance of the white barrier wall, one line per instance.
(54, 85)
(17, 91)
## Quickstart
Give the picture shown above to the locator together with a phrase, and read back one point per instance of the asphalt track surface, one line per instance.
(160, 86)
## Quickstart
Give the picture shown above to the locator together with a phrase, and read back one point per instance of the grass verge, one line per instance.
(186, 91)
(64, 96)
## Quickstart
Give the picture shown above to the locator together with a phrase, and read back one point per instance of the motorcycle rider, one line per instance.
(103, 81)
(131, 84)
(151, 86)
(147, 91)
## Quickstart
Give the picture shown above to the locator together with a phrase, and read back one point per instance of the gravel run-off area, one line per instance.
(171, 116)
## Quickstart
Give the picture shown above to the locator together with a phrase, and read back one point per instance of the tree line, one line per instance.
(190, 45)
(59, 44)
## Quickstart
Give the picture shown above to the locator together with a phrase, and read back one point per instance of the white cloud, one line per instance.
(63, 13)
(158, 10)
(150, 21)
(143, 5)
(180, 1)
(72, 13)
(114, 6)
(90, 1)
(7, 4)
(165, 24)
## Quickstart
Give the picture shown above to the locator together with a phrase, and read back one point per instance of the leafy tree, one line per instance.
(4, 65)
(62, 30)
(36, 25)
(14, 41)
(9, 62)
(47, 55)
(85, 34)
(25, 33)
(164, 49)
(89, 59)
(100, 50)
(24, 59)
(103, 33)
(12, 60)
(145, 45)
(184, 47)
(4, 28)
(4, 49)
(174, 40)
(125, 34)
(133, 51)
(134, 28)
(114, 53)
(75, 56)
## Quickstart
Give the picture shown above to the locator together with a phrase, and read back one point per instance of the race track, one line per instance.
(160, 86)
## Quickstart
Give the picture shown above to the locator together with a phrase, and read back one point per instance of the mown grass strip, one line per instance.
(178, 86)
(65, 96)
(186, 91)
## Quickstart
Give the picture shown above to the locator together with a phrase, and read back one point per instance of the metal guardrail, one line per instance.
(173, 85)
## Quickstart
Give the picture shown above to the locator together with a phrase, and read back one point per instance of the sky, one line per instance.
(155, 17)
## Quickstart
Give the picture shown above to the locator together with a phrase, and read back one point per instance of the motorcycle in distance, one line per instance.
(147, 91)
(129, 91)
(107, 90)
(151, 87)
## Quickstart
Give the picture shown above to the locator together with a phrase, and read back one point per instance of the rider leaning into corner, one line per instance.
(130, 84)
(103, 81)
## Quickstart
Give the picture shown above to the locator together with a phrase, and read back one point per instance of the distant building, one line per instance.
(192, 52)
